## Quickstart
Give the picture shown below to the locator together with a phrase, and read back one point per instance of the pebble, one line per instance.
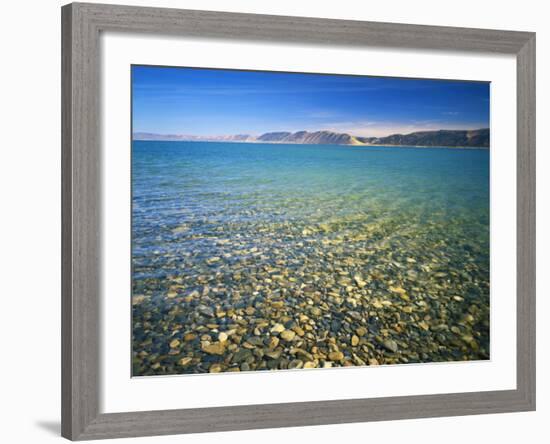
(390, 345)
(296, 363)
(288, 335)
(214, 349)
(315, 311)
(189, 337)
(273, 342)
(215, 368)
(185, 361)
(241, 355)
(205, 311)
(278, 328)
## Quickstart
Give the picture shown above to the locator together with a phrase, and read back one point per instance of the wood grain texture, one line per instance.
(526, 221)
(81, 230)
(259, 27)
(66, 224)
(119, 425)
(81, 222)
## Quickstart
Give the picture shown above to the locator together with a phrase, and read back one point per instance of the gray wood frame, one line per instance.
(81, 166)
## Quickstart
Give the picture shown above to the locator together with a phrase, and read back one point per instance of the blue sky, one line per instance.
(223, 102)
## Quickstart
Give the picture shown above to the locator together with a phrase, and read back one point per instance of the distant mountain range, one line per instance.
(188, 137)
(444, 138)
(453, 138)
(318, 137)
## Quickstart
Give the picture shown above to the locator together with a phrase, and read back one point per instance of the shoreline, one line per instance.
(313, 144)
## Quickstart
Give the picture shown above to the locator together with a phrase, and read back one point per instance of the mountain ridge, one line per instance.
(479, 138)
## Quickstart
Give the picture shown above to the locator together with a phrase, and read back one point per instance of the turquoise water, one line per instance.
(415, 219)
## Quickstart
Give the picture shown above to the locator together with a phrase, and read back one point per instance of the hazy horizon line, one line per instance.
(173, 134)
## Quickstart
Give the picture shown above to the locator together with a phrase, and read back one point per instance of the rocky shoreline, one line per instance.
(351, 292)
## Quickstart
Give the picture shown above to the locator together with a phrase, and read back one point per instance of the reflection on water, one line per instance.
(267, 256)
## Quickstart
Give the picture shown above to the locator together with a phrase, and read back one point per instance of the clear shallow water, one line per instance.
(395, 217)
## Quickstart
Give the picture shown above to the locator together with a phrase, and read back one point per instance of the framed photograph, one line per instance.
(278, 221)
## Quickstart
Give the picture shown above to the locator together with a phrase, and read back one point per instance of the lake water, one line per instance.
(230, 236)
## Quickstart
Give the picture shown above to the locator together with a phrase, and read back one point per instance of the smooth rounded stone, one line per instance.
(240, 305)
(185, 361)
(354, 340)
(254, 340)
(216, 348)
(245, 367)
(215, 368)
(397, 289)
(361, 331)
(302, 353)
(193, 294)
(277, 328)
(272, 342)
(468, 338)
(295, 364)
(205, 311)
(315, 311)
(289, 325)
(174, 343)
(390, 345)
(138, 299)
(287, 335)
(222, 337)
(440, 327)
(241, 355)
(273, 354)
(359, 281)
(188, 337)
(272, 364)
(424, 325)
(310, 364)
(298, 330)
(250, 310)
(336, 356)
(335, 325)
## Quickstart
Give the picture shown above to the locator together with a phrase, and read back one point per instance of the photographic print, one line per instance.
(300, 221)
